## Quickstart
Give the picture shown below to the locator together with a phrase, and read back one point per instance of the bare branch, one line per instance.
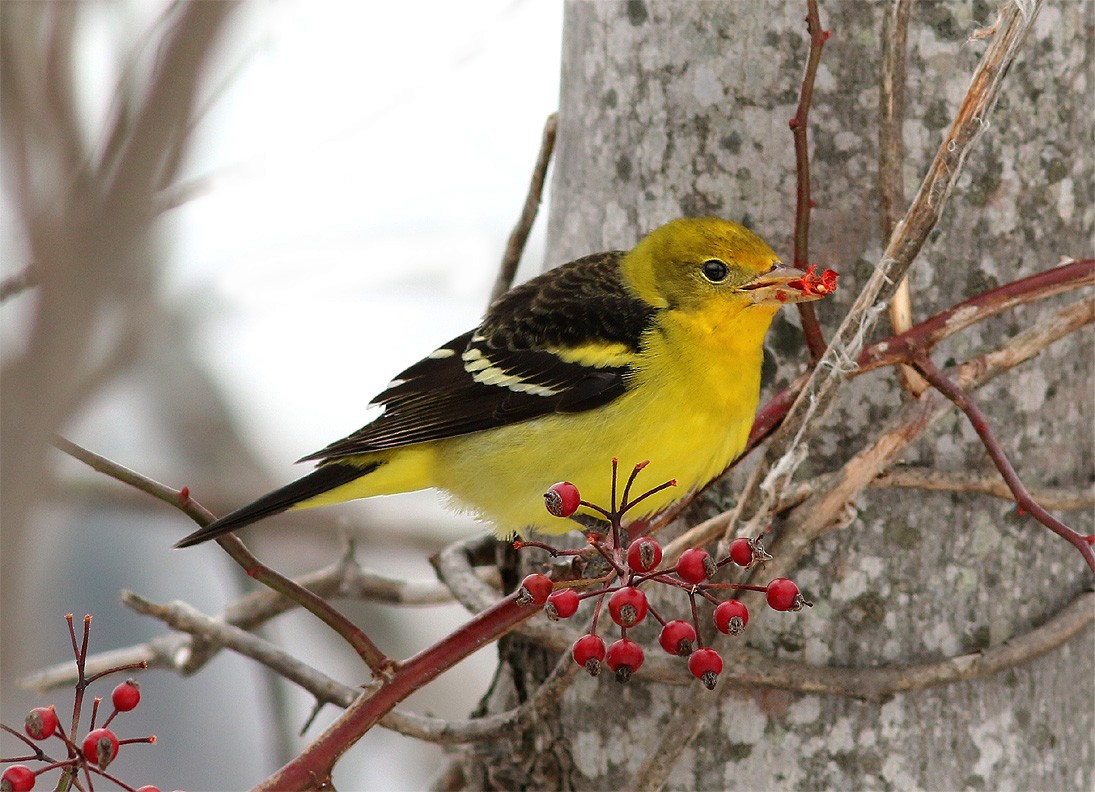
(891, 157)
(811, 331)
(185, 617)
(519, 236)
(980, 423)
(783, 454)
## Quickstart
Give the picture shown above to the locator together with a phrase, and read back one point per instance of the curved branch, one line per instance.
(515, 246)
(980, 423)
(377, 661)
(781, 458)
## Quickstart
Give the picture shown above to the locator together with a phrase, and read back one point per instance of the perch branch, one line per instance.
(180, 499)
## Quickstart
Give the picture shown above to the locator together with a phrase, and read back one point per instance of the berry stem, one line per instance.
(630, 481)
(128, 667)
(695, 618)
(736, 586)
(615, 468)
(647, 494)
(604, 513)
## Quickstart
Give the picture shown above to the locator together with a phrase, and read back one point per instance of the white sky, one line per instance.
(369, 161)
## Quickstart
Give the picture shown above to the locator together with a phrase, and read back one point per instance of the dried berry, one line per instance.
(624, 657)
(706, 664)
(678, 637)
(588, 652)
(562, 499)
(41, 723)
(731, 617)
(696, 565)
(561, 604)
(534, 590)
(627, 606)
(644, 555)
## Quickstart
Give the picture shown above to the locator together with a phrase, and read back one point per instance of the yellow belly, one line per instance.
(690, 416)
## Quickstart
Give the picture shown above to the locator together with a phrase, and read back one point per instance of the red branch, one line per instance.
(312, 768)
(924, 336)
(815, 341)
(377, 661)
(980, 424)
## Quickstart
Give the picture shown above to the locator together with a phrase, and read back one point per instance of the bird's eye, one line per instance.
(715, 271)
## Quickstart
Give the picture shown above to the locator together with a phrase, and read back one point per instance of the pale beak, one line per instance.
(774, 288)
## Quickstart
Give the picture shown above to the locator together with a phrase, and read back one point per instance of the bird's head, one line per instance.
(693, 264)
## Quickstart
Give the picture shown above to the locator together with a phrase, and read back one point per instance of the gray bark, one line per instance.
(680, 108)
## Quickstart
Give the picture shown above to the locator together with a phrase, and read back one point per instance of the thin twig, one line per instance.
(891, 159)
(345, 578)
(925, 336)
(980, 423)
(784, 451)
(811, 331)
(185, 617)
(377, 661)
(490, 727)
(519, 236)
(1060, 498)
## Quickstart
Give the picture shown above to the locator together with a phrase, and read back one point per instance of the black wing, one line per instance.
(505, 371)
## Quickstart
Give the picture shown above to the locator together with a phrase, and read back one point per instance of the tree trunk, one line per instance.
(682, 108)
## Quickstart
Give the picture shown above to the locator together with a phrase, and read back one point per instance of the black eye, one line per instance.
(714, 270)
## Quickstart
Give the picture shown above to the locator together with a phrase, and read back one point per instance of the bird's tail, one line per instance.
(323, 479)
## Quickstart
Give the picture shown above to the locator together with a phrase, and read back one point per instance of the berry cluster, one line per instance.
(89, 756)
(639, 563)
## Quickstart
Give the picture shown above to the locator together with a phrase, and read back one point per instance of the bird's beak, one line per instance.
(782, 286)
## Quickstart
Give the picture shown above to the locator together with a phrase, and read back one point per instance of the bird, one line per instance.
(648, 355)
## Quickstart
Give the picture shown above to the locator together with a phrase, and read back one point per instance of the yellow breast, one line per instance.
(688, 410)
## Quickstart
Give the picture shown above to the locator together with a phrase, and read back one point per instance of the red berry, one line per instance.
(100, 747)
(562, 604)
(741, 551)
(783, 595)
(535, 589)
(18, 778)
(696, 565)
(747, 552)
(41, 722)
(562, 499)
(126, 696)
(706, 664)
(148, 788)
(677, 637)
(624, 657)
(588, 652)
(731, 617)
(627, 606)
(644, 555)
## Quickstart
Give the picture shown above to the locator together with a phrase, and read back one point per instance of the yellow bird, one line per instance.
(652, 354)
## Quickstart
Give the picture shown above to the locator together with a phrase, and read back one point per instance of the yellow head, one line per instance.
(691, 264)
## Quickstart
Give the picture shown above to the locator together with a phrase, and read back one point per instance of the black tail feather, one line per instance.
(322, 479)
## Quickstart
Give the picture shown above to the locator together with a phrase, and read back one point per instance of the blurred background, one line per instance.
(235, 225)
